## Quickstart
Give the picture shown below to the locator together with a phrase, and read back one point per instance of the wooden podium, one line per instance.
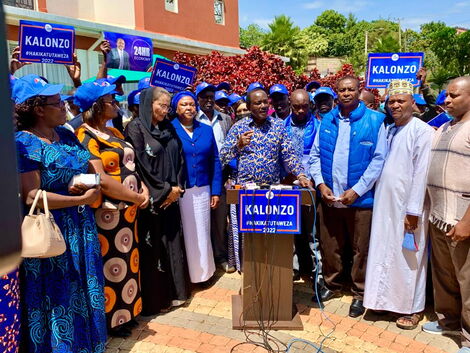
(267, 285)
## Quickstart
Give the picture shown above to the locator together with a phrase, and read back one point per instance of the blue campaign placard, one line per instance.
(269, 211)
(47, 43)
(384, 67)
(172, 76)
(129, 52)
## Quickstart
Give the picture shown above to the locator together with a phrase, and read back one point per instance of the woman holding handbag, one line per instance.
(62, 296)
(116, 214)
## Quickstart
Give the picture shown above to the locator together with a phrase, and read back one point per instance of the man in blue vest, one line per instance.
(346, 159)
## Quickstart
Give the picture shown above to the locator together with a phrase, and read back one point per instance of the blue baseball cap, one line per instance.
(441, 97)
(221, 95)
(90, 92)
(133, 98)
(419, 99)
(324, 90)
(253, 86)
(234, 98)
(312, 84)
(111, 80)
(278, 88)
(311, 95)
(66, 97)
(143, 83)
(33, 85)
(204, 86)
(223, 85)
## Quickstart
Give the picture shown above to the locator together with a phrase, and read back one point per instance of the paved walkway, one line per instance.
(204, 325)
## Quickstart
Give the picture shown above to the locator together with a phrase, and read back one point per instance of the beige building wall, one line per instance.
(112, 12)
(325, 65)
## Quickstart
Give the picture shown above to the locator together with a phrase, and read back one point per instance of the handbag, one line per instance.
(41, 236)
(409, 242)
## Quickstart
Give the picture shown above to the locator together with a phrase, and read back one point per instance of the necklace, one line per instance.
(188, 127)
(40, 134)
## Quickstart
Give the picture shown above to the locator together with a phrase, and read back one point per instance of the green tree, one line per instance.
(282, 39)
(251, 35)
(312, 42)
(331, 20)
(386, 44)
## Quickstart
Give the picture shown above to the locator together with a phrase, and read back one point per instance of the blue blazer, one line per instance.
(201, 157)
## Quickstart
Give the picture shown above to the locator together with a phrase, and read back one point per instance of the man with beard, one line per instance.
(396, 273)
(346, 160)
(220, 124)
(302, 127)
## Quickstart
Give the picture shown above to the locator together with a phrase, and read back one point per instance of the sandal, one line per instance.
(409, 322)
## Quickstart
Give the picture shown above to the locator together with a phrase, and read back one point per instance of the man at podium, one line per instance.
(261, 145)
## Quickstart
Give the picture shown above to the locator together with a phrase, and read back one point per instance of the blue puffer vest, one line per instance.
(365, 126)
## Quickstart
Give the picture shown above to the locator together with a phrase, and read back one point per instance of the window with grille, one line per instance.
(171, 5)
(24, 4)
(219, 12)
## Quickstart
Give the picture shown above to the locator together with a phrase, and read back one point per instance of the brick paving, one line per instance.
(204, 326)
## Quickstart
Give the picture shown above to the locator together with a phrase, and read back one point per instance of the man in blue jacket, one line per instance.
(346, 160)
(302, 126)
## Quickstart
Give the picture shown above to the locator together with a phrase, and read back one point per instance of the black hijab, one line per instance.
(161, 131)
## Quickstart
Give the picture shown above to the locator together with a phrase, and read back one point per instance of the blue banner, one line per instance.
(270, 211)
(172, 76)
(129, 52)
(47, 43)
(439, 120)
(384, 67)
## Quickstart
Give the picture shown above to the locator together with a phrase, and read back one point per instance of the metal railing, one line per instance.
(24, 4)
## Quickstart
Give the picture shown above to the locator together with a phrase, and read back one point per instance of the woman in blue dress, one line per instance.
(62, 297)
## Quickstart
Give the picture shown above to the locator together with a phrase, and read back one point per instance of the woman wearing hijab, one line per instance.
(164, 273)
(123, 193)
(203, 185)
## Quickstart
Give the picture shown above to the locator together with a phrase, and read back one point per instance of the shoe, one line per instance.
(120, 331)
(326, 294)
(464, 350)
(356, 309)
(227, 268)
(434, 328)
(131, 324)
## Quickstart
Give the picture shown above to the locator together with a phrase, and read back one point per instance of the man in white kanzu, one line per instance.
(395, 275)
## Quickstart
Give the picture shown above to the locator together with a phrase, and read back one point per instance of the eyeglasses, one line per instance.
(112, 102)
(56, 104)
(164, 106)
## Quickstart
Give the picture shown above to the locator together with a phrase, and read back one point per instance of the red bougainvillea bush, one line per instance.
(255, 66)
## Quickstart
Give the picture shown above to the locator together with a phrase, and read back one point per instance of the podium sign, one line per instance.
(270, 211)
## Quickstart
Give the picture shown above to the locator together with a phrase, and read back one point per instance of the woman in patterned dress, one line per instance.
(62, 297)
(123, 193)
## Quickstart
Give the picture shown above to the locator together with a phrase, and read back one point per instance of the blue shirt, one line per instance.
(201, 157)
(341, 162)
(262, 159)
